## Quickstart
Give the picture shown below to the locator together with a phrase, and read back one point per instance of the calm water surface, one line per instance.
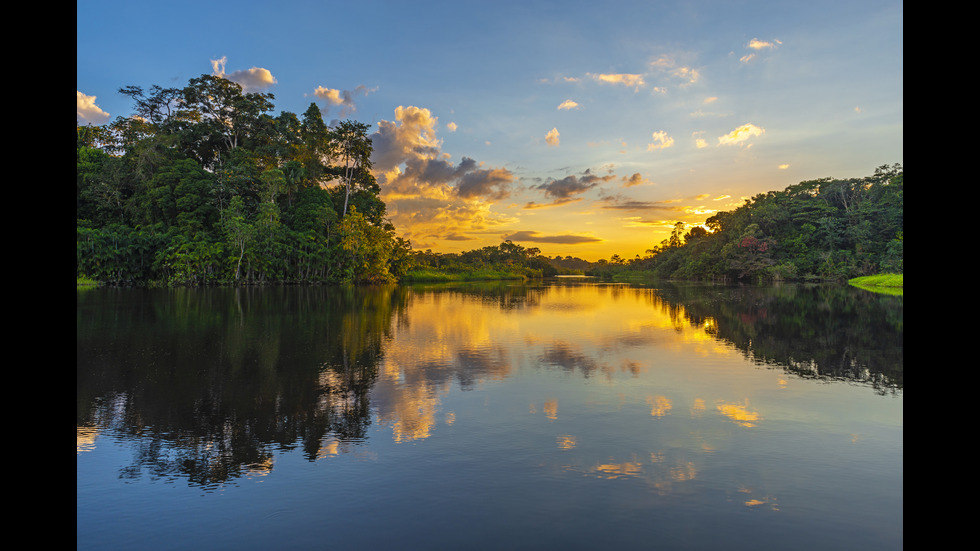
(487, 416)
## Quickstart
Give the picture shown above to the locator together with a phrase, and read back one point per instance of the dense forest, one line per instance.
(826, 229)
(203, 185)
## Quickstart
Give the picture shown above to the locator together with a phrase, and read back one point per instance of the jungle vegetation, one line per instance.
(203, 185)
(826, 229)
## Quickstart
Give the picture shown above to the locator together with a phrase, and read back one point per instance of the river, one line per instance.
(565, 414)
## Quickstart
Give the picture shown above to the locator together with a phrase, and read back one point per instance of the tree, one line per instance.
(218, 111)
(238, 231)
(353, 149)
(157, 107)
(367, 250)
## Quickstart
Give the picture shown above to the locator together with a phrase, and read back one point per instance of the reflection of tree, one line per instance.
(814, 331)
(214, 380)
(507, 295)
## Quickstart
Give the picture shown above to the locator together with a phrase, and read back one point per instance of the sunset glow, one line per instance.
(583, 129)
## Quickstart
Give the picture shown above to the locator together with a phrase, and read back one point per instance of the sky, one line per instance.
(584, 129)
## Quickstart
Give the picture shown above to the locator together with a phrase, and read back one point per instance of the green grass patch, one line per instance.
(890, 284)
(879, 280)
(436, 276)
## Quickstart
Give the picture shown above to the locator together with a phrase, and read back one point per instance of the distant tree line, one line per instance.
(817, 229)
(508, 260)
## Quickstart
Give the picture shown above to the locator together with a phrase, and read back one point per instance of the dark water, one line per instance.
(497, 416)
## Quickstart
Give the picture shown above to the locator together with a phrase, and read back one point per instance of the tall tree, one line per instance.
(353, 149)
(222, 110)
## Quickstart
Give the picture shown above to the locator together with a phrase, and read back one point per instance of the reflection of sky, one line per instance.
(603, 382)
(612, 334)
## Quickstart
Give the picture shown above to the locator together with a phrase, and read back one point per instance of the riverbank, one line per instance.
(890, 284)
(879, 280)
(438, 276)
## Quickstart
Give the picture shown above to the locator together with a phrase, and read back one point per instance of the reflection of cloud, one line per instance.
(566, 442)
(480, 363)
(659, 405)
(618, 470)
(551, 409)
(86, 110)
(562, 355)
(739, 413)
(85, 438)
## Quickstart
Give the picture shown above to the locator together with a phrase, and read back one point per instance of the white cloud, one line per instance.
(660, 141)
(741, 134)
(621, 79)
(87, 111)
(567, 104)
(757, 44)
(251, 80)
(552, 137)
(342, 97)
(451, 126)
(429, 197)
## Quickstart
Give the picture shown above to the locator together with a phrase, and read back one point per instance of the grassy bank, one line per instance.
(433, 276)
(879, 280)
(889, 284)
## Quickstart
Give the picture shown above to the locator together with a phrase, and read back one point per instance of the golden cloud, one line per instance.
(428, 196)
(86, 110)
(622, 79)
(552, 137)
(741, 134)
(250, 80)
(660, 141)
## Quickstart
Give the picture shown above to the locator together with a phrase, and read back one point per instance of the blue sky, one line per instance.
(580, 128)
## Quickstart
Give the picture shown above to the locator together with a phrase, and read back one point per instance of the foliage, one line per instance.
(891, 284)
(505, 261)
(202, 185)
(816, 230)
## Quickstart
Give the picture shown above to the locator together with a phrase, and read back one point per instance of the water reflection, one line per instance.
(207, 385)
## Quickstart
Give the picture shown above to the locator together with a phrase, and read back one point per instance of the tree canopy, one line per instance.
(203, 184)
(817, 229)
